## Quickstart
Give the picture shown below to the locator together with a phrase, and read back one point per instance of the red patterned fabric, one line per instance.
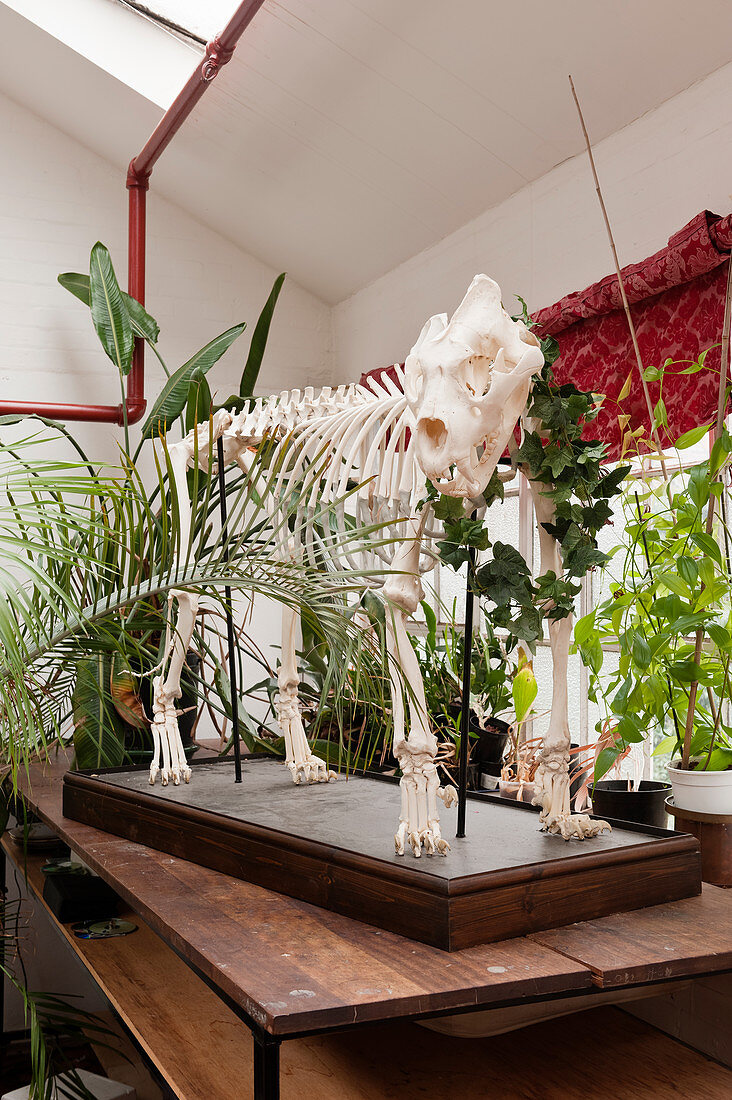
(677, 302)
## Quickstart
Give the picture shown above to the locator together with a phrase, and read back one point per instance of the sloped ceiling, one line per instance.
(347, 135)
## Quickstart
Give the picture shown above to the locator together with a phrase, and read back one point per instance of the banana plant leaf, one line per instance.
(98, 728)
(143, 325)
(108, 310)
(174, 395)
(256, 350)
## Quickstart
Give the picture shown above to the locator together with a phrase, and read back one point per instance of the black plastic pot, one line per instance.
(491, 741)
(644, 806)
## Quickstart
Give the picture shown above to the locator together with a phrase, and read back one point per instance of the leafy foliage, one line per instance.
(670, 578)
(570, 472)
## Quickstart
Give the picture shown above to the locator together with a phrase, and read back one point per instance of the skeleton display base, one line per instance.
(328, 844)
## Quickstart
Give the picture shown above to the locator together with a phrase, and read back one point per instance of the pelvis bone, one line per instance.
(467, 383)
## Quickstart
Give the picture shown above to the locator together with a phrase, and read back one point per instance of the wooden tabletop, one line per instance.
(201, 1048)
(291, 966)
(680, 939)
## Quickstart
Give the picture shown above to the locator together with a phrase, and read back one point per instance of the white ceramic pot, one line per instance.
(701, 791)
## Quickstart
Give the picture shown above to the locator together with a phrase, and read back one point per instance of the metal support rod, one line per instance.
(266, 1066)
(229, 618)
(465, 702)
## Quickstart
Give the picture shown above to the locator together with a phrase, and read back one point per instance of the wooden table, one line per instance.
(288, 969)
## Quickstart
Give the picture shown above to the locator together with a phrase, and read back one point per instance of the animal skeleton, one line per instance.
(463, 389)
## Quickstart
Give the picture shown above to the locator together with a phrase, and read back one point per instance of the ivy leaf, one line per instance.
(609, 485)
(583, 559)
(448, 508)
(531, 452)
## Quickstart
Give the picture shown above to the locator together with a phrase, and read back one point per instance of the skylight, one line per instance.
(147, 57)
(204, 20)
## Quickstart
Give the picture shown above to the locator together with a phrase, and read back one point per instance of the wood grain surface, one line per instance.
(682, 938)
(291, 966)
(330, 845)
(205, 1052)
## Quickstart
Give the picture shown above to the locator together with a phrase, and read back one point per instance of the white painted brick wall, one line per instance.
(56, 199)
(549, 238)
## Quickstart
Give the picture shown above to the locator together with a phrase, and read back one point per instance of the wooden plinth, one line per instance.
(331, 845)
(714, 833)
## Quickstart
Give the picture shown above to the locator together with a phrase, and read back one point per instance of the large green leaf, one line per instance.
(259, 340)
(98, 728)
(174, 395)
(143, 324)
(198, 403)
(108, 310)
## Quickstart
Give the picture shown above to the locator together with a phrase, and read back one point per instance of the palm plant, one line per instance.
(89, 554)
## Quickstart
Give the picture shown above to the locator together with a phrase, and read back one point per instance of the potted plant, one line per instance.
(669, 612)
(112, 703)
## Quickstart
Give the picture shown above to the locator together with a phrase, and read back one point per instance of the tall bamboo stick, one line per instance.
(621, 283)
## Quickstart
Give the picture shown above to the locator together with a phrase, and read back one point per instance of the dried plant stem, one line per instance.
(623, 295)
(719, 424)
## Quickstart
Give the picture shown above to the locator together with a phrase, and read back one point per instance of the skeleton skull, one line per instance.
(467, 382)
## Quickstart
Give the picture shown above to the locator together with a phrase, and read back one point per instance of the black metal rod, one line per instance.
(3, 917)
(465, 702)
(229, 618)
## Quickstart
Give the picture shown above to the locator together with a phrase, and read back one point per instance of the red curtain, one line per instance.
(677, 303)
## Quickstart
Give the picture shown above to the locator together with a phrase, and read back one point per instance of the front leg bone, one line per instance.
(304, 766)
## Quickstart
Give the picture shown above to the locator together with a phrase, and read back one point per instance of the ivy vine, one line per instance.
(574, 476)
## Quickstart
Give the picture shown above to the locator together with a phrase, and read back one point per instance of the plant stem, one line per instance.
(724, 356)
(623, 295)
(658, 625)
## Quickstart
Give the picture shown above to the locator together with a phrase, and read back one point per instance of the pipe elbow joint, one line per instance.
(135, 411)
(136, 178)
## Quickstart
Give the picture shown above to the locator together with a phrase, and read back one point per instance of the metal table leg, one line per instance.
(266, 1066)
(3, 915)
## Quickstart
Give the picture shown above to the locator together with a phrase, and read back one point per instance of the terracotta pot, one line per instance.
(701, 791)
(714, 833)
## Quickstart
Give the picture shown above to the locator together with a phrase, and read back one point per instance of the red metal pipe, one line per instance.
(218, 52)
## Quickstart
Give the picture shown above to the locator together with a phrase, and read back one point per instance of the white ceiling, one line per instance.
(347, 135)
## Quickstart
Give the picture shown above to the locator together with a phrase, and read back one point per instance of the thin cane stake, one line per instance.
(623, 295)
(229, 618)
(465, 704)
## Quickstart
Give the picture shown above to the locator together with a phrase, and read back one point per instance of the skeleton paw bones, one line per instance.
(419, 823)
(169, 758)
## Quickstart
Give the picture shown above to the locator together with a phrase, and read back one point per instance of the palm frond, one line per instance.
(88, 560)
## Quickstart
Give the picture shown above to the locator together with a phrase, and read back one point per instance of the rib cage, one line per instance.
(329, 442)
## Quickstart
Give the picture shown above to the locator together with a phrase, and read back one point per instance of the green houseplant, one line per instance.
(669, 613)
(109, 693)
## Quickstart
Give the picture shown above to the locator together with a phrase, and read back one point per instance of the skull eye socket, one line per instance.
(477, 375)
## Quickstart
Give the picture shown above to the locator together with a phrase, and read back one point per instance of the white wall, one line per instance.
(56, 200)
(549, 238)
